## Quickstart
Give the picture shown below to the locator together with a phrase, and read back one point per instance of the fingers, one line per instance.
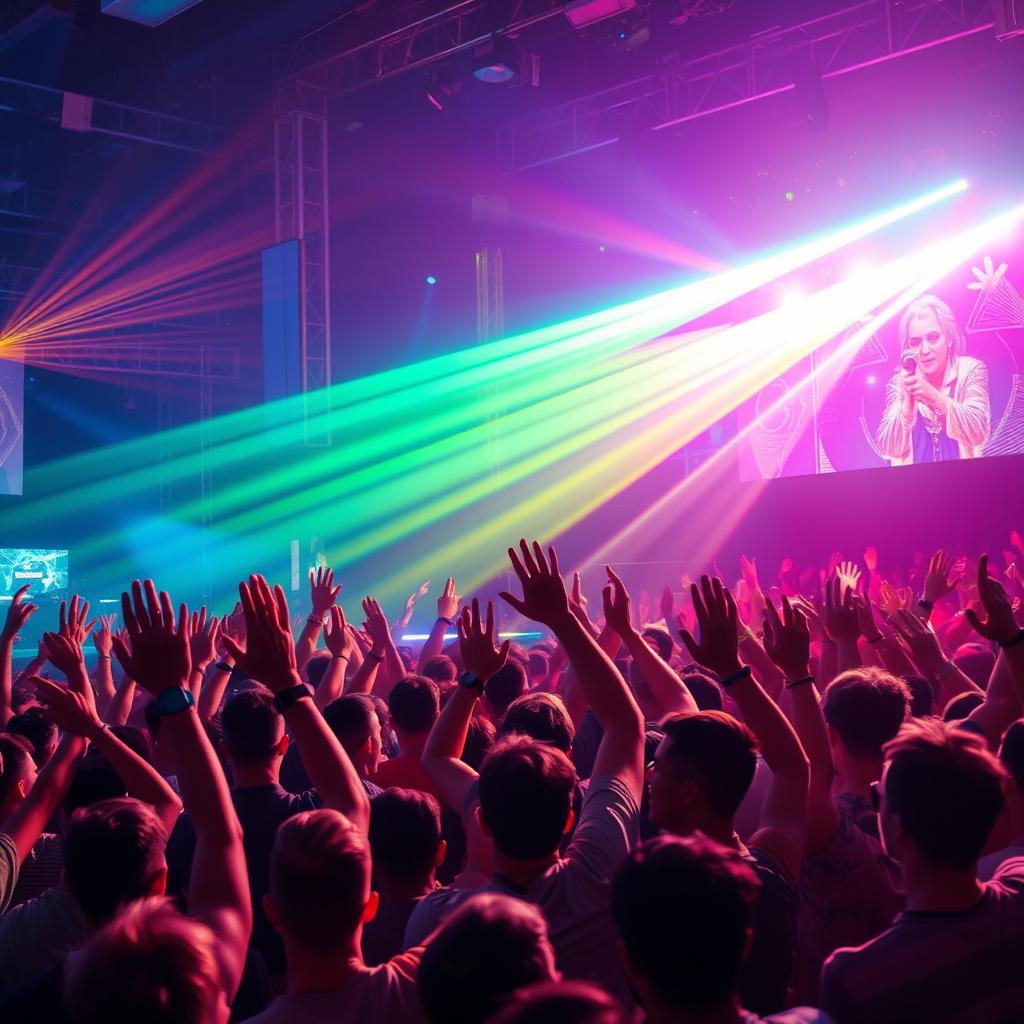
(690, 644)
(528, 559)
(236, 653)
(121, 653)
(513, 602)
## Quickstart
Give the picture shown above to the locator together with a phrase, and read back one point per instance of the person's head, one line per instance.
(683, 910)
(316, 667)
(253, 730)
(1011, 754)
(353, 719)
(922, 696)
(414, 704)
(863, 708)
(560, 1002)
(150, 963)
(541, 716)
(19, 772)
(538, 664)
(387, 734)
(94, 781)
(660, 641)
(702, 771)
(526, 792)
(704, 690)
(479, 739)
(976, 662)
(508, 683)
(488, 948)
(38, 730)
(405, 839)
(114, 855)
(939, 796)
(441, 669)
(929, 329)
(960, 706)
(319, 883)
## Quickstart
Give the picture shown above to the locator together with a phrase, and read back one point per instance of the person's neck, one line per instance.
(317, 971)
(725, 1013)
(411, 744)
(248, 775)
(940, 889)
(719, 829)
(394, 892)
(855, 775)
(522, 872)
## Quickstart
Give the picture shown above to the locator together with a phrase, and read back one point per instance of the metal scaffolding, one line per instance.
(856, 37)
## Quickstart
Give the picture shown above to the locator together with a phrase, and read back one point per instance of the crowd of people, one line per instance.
(791, 801)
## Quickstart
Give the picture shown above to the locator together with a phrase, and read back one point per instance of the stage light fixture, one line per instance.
(496, 61)
(431, 279)
(582, 13)
(442, 87)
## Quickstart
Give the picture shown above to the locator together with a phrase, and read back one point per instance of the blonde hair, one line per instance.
(944, 316)
(151, 963)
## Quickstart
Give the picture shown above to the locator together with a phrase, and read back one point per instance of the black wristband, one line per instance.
(341, 657)
(376, 657)
(441, 618)
(799, 682)
(875, 639)
(744, 673)
(286, 698)
(1018, 639)
(926, 605)
(224, 666)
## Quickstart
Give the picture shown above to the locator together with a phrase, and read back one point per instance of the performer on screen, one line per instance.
(937, 403)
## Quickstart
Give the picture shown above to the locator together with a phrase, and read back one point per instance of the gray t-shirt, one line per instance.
(37, 935)
(8, 870)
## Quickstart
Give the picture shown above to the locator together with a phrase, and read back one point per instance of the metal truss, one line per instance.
(29, 203)
(301, 212)
(856, 37)
(420, 36)
(114, 119)
(202, 362)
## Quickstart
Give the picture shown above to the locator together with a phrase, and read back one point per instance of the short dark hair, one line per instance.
(705, 691)
(414, 704)
(488, 948)
(960, 706)
(441, 669)
(538, 662)
(542, 716)
(112, 852)
(976, 661)
(526, 792)
(95, 781)
(36, 728)
(946, 789)
(479, 739)
(560, 1002)
(316, 667)
(866, 707)
(922, 696)
(683, 909)
(661, 639)
(16, 758)
(252, 726)
(715, 750)
(1011, 752)
(405, 833)
(508, 683)
(319, 878)
(351, 719)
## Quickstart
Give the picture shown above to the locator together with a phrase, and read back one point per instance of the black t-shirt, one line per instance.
(260, 810)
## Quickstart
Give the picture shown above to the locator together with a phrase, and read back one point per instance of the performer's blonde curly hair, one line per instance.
(945, 317)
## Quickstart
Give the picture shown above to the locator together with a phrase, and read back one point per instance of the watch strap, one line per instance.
(286, 698)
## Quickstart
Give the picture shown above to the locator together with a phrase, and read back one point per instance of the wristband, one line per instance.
(375, 656)
(875, 639)
(442, 618)
(1018, 639)
(744, 673)
(341, 657)
(104, 657)
(224, 666)
(926, 605)
(828, 640)
(799, 682)
(104, 726)
(174, 700)
(468, 681)
(315, 620)
(286, 698)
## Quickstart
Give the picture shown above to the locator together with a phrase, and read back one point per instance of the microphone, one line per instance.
(909, 362)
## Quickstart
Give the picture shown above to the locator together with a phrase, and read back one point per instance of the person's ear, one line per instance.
(570, 820)
(371, 908)
(482, 822)
(282, 745)
(158, 883)
(270, 909)
(224, 752)
(748, 941)
(442, 851)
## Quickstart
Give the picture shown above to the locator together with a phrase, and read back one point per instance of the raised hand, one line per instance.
(322, 590)
(787, 639)
(448, 602)
(871, 559)
(411, 600)
(64, 653)
(339, 638)
(480, 656)
(813, 615)
(203, 636)
(103, 639)
(937, 582)
(73, 619)
(840, 614)
(1000, 624)
(18, 613)
(269, 653)
(988, 278)
(894, 600)
(157, 653)
(72, 711)
(748, 572)
(865, 616)
(615, 598)
(717, 623)
(667, 605)
(848, 575)
(921, 641)
(544, 598)
(376, 625)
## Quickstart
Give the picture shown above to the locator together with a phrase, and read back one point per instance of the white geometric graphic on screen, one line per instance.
(999, 305)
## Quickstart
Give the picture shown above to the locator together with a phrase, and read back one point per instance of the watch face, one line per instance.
(470, 681)
(174, 700)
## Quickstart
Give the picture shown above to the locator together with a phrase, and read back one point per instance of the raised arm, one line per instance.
(160, 662)
(338, 640)
(323, 594)
(102, 640)
(269, 656)
(662, 680)
(447, 609)
(544, 600)
(842, 624)
(403, 620)
(931, 661)
(18, 613)
(391, 668)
